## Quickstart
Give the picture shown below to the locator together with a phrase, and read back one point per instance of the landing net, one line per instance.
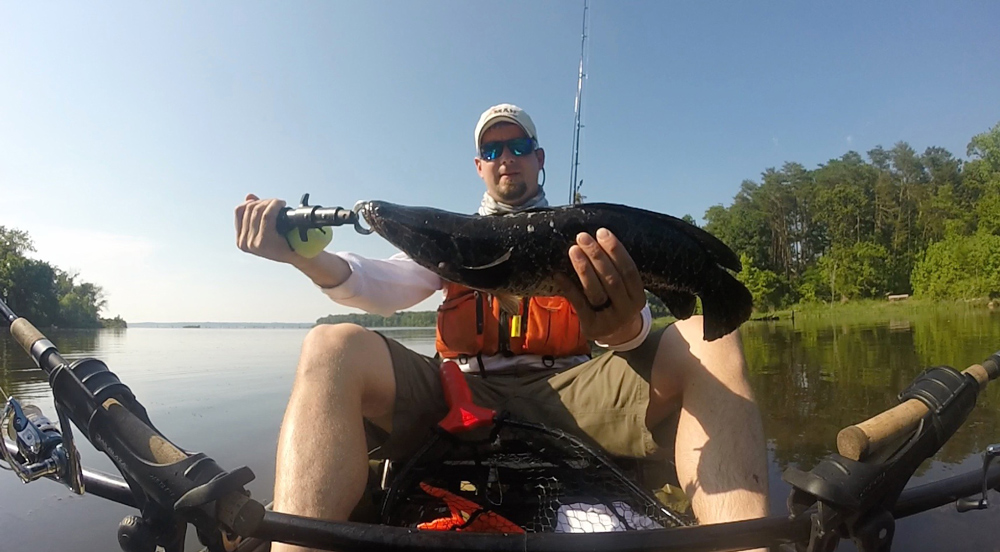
(522, 476)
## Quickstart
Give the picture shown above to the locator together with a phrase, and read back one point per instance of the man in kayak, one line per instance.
(651, 393)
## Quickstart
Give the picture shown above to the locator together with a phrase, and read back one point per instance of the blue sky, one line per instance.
(130, 131)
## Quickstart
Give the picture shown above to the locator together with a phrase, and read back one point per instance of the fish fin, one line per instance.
(509, 303)
(680, 303)
(727, 303)
(499, 260)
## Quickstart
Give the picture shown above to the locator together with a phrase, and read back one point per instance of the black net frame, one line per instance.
(538, 478)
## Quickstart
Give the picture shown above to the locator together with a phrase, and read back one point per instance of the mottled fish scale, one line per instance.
(519, 254)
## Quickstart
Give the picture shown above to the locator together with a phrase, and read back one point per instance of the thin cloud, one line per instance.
(119, 263)
(81, 248)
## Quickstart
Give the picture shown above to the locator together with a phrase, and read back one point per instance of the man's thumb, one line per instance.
(251, 197)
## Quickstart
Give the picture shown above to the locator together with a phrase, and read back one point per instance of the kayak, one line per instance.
(509, 476)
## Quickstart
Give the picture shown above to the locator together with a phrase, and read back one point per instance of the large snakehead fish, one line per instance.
(518, 254)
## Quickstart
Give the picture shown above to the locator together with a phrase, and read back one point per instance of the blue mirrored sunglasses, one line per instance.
(518, 146)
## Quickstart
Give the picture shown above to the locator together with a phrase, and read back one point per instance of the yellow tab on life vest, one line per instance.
(515, 325)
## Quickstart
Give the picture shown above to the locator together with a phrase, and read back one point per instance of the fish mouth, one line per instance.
(389, 220)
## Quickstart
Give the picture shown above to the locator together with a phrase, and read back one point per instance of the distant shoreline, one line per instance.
(868, 307)
(254, 325)
(223, 325)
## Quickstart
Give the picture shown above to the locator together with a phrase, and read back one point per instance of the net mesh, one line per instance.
(523, 476)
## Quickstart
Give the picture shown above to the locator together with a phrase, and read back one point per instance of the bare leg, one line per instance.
(344, 375)
(720, 451)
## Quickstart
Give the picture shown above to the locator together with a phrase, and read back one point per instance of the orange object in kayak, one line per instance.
(463, 413)
(466, 516)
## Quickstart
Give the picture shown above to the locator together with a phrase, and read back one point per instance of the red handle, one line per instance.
(464, 414)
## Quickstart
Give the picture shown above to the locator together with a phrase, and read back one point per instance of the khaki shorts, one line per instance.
(602, 401)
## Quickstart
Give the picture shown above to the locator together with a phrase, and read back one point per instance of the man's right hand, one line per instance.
(256, 232)
(256, 229)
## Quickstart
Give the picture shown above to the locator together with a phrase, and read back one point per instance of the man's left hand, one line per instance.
(612, 296)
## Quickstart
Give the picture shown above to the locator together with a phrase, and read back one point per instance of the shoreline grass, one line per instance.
(868, 308)
(863, 310)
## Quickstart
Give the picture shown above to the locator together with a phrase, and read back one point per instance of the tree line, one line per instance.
(405, 319)
(896, 222)
(45, 294)
(893, 222)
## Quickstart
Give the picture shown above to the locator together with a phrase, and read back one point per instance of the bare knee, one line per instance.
(329, 344)
(345, 355)
(326, 339)
(685, 354)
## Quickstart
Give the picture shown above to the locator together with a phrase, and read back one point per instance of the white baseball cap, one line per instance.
(505, 113)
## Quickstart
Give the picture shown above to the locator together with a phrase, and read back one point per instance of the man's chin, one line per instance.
(514, 194)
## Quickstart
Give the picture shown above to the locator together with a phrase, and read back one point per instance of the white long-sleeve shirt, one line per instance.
(384, 286)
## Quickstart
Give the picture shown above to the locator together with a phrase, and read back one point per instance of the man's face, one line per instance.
(510, 179)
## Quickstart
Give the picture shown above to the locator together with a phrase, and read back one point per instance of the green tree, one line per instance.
(32, 292)
(742, 226)
(845, 199)
(982, 178)
(41, 292)
(765, 286)
(986, 147)
(114, 323)
(813, 287)
(857, 271)
(945, 206)
(79, 304)
(854, 228)
(959, 267)
(14, 244)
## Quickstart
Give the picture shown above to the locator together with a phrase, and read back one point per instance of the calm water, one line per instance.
(223, 392)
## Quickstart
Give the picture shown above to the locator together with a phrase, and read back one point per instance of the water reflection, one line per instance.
(20, 377)
(223, 391)
(811, 379)
(814, 378)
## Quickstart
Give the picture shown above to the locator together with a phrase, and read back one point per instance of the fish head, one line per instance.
(460, 248)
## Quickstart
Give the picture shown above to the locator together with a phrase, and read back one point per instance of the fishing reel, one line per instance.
(42, 450)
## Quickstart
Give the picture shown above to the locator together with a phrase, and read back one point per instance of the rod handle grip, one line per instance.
(864, 439)
(25, 334)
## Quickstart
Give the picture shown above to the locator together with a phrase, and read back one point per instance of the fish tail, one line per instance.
(680, 303)
(726, 303)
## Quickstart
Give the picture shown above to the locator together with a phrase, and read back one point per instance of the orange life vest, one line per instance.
(470, 322)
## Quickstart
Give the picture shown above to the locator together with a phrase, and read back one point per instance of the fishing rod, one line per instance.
(574, 185)
(170, 487)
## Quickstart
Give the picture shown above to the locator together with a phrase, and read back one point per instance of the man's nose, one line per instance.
(507, 155)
